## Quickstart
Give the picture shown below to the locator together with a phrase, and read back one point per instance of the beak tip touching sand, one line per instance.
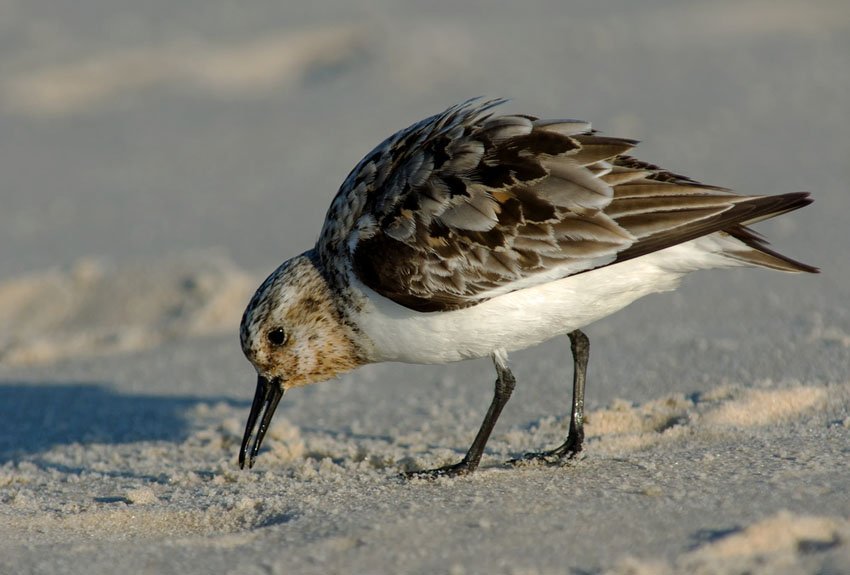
(265, 402)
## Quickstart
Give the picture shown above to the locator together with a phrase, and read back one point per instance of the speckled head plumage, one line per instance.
(292, 330)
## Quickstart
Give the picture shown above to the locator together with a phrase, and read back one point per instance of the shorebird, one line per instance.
(471, 234)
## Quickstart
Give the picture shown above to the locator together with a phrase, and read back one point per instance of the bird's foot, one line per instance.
(567, 451)
(456, 470)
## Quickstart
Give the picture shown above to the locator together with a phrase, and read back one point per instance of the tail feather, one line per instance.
(733, 222)
(760, 255)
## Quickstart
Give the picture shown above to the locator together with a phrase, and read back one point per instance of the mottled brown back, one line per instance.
(464, 206)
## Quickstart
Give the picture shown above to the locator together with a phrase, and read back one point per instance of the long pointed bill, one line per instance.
(266, 398)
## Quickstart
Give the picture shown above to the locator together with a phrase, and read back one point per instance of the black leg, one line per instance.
(580, 346)
(505, 383)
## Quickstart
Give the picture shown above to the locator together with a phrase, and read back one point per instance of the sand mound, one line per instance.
(98, 308)
(781, 543)
(249, 67)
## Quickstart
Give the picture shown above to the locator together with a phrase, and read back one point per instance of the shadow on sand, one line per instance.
(37, 416)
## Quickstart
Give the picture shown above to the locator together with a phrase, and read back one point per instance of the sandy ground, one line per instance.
(158, 159)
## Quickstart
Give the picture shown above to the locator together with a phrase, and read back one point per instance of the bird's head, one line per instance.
(293, 334)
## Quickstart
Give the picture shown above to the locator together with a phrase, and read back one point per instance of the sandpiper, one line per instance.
(471, 234)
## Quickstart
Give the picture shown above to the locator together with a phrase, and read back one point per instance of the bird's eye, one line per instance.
(277, 336)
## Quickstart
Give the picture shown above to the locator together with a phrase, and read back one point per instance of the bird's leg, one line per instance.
(505, 383)
(580, 346)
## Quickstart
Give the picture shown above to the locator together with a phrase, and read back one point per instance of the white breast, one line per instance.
(528, 316)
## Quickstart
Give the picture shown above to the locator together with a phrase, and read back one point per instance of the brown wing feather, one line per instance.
(464, 206)
(695, 223)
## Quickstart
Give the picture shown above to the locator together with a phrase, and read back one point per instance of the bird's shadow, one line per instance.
(35, 417)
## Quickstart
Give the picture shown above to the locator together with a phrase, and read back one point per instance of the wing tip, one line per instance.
(764, 256)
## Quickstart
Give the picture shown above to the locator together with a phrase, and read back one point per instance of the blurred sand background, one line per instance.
(158, 159)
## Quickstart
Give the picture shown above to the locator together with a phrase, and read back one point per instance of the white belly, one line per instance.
(526, 317)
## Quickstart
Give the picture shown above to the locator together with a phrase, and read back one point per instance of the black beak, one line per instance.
(266, 398)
